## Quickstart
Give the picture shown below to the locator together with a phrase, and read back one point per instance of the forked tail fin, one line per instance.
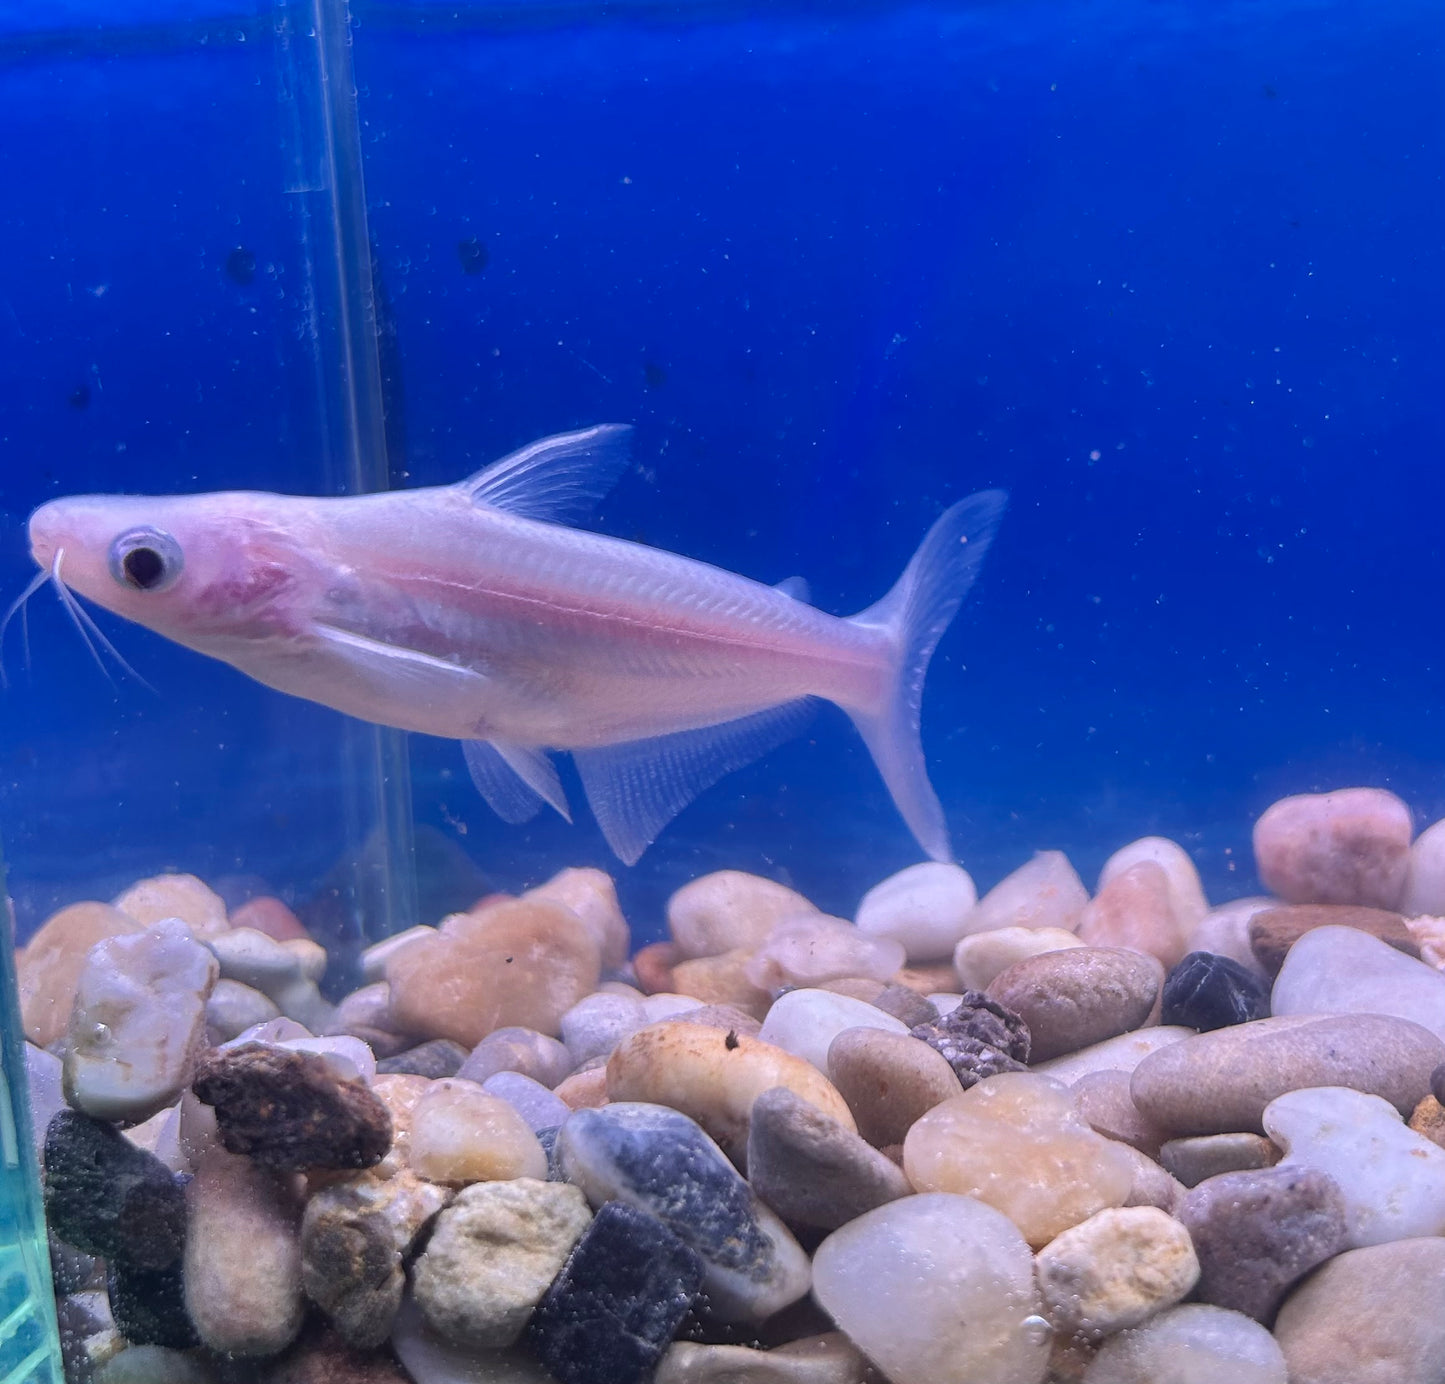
(915, 613)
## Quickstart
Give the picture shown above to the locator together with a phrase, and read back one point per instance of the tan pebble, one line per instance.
(400, 1094)
(1429, 1119)
(807, 950)
(714, 1075)
(1016, 1142)
(980, 957)
(1108, 1108)
(592, 896)
(269, 915)
(185, 897)
(584, 1090)
(1151, 1185)
(729, 911)
(1069, 1360)
(1136, 910)
(1115, 1270)
(1429, 934)
(888, 1080)
(1044, 893)
(48, 969)
(521, 962)
(460, 1133)
(721, 980)
(1185, 890)
(652, 965)
(243, 1256)
(927, 980)
(1273, 931)
(1350, 846)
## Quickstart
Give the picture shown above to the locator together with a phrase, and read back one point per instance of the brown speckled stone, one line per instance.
(1273, 931)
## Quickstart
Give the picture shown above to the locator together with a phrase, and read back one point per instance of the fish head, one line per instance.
(199, 569)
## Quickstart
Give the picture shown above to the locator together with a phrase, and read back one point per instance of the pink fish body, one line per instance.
(475, 612)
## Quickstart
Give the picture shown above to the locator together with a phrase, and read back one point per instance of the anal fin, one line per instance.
(635, 789)
(514, 779)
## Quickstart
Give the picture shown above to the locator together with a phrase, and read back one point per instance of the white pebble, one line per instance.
(375, 958)
(1425, 882)
(925, 907)
(811, 949)
(594, 1026)
(530, 1099)
(805, 1022)
(981, 956)
(668, 1006)
(1190, 1345)
(1045, 892)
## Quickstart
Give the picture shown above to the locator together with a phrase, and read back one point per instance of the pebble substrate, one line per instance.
(1038, 1136)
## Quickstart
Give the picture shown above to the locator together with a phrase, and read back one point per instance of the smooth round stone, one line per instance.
(1186, 893)
(1115, 1270)
(592, 896)
(1220, 1082)
(275, 969)
(1149, 1184)
(652, 965)
(811, 1170)
(1258, 1233)
(438, 1057)
(1044, 893)
(805, 1022)
(663, 1163)
(1191, 1345)
(1425, 879)
(1136, 909)
(902, 1002)
(1204, 1156)
(521, 962)
(729, 910)
(1121, 1054)
(268, 914)
(828, 1359)
(44, 1085)
(375, 958)
(584, 1090)
(1392, 1179)
(1016, 1141)
(459, 1133)
(966, 1277)
(1108, 1108)
(1338, 970)
(198, 906)
(138, 1022)
(978, 958)
(925, 908)
(242, 1257)
(713, 1075)
(233, 1008)
(888, 1081)
(595, 1025)
(665, 1005)
(1225, 932)
(1273, 931)
(1370, 1316)
(810, 950)
(1075, 998)
(516, 1049)
(541, 1108)
(1350, 846)
(491, 1256)
(48, 969)
(152, 1365)
(1206, 992)
(723, 979)
(430, 1359)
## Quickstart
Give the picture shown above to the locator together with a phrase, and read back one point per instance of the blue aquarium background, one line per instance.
(1169, 272)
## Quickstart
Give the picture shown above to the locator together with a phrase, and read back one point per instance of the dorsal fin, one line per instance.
(796, 587)
(559, 478)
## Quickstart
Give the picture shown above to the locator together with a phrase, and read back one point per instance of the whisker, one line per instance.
(83, 622)
(18, 604)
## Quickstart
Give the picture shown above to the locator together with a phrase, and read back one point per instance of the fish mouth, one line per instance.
(45, 529)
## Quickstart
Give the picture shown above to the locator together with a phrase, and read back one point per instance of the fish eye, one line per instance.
(146, 559)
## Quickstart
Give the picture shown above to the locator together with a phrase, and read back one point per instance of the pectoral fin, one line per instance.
(636, 789)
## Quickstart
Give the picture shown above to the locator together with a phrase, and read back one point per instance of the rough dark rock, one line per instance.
(291, 1110)
(351, 1269)
(1258, 1233)
(107, 1197)
(1207, 991)
(149, 1305)
(610, 1313)
(979, 1039)
(438, 1058)
(810, 1169)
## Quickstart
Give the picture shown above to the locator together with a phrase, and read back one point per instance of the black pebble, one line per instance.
(241, 265)
(107, 1197)
(619, 1300)
(149, 1306)
(473, 255)
(438, 1058)
(1207, 991)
